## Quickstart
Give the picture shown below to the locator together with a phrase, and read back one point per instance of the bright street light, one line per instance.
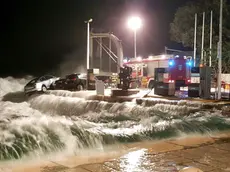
(134, 23)
(88, 39)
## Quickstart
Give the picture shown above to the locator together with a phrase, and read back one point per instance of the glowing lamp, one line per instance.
(163, 56)
(125, 60)
(139, 59)
(150, 57)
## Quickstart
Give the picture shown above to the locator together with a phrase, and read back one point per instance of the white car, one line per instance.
(40, 84)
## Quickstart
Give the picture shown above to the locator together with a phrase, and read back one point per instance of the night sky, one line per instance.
(39, 35)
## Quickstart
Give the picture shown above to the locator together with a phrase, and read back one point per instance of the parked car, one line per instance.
(72, 82)
(40, 84)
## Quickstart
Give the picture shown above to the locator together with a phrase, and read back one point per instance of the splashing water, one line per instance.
(68, 122)
(11, 89)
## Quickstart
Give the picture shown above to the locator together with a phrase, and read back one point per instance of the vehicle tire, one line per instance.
(80, 87)
(44, 89)
(27, 94)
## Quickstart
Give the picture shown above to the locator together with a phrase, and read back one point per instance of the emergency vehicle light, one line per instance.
(171, 63)
(189, 63)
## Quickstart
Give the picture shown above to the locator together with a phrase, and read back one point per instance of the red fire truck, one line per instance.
(176, 69)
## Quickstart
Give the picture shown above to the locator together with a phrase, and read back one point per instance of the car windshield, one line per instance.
(71, 76)
(33, 81)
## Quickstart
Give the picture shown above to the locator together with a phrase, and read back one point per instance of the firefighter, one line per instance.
(125, 77)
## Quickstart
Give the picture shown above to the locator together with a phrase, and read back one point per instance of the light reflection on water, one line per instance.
(141, 161)
(133, 161)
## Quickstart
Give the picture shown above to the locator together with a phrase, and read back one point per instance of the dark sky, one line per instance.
(38, 35)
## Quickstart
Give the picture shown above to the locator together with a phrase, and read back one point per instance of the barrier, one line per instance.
(91, 78)
(100, 87)
(193, 90)
(165, 89)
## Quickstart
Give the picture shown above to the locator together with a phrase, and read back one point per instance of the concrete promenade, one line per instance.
(208, 153)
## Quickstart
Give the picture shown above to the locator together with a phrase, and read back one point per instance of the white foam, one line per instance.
(79, 94)
(10, 84)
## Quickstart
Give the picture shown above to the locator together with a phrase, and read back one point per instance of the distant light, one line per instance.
(82, 75)
(139, 59)
(125, 60)
(151, 57)
(177, 56)
(89, 21)
(163, 56)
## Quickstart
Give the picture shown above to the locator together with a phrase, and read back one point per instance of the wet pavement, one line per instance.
(211, 155)
(206, 153)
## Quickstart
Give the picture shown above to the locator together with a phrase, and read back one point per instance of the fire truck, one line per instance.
(162, 68)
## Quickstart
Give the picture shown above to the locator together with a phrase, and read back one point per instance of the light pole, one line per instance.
(135, 23)
(202, 44)
(195, 38)
(220, 51)
(88, 40)
(210, 46)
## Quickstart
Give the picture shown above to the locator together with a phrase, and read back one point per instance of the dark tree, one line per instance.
(182, 28)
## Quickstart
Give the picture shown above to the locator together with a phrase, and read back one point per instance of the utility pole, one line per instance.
(135, 44)
(220, 51)
(135, 50)
(195, 32)
(88, 42)
(202, 46)
(110, 49)
(100, 53)
(210, 51)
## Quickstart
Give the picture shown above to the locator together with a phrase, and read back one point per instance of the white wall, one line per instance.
(225, 78)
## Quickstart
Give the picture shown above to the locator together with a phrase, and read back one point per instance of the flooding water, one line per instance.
(63, 121)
